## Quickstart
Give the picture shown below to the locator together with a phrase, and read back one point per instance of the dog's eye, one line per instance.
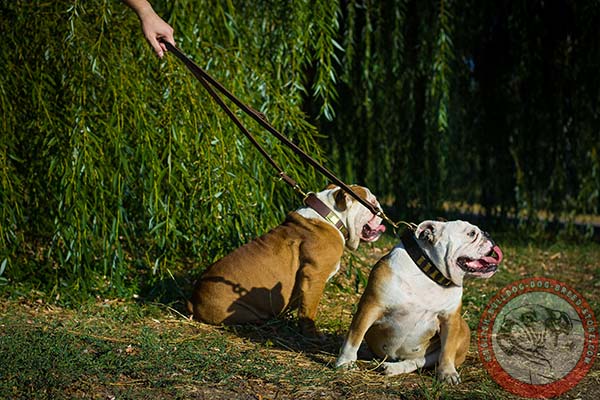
(471, 234)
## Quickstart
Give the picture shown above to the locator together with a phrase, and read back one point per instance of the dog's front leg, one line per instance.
(368, 312)
(455, 337)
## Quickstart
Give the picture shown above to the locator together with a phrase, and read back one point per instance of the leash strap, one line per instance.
(422, 260)
(200, 75)
(208, 81)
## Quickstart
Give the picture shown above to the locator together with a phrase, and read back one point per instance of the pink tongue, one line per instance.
(380, 228)
(494, 260)
(376, 225)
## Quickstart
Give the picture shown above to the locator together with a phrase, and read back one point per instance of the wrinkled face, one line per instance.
(460, 248)
(361, 223)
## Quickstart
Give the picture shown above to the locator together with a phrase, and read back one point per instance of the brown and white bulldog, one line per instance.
(410, 312)
(286, 268)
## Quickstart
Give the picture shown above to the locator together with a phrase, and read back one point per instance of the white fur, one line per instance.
(451, 240)
(414, 304)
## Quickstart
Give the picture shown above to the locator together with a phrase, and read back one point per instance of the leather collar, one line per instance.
(422, 260)
(324, 211)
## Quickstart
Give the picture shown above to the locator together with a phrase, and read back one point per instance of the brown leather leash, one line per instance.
(210, 84)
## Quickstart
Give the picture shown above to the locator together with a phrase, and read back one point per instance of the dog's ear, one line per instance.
(341, 200)
(427, 231)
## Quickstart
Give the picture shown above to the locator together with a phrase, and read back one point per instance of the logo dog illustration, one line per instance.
(532, 332)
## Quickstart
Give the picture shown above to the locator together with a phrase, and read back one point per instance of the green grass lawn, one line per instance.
(118, 349)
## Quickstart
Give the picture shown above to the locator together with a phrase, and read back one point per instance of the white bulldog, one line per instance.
(410, 312)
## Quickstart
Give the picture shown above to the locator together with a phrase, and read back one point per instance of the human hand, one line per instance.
(153, 26)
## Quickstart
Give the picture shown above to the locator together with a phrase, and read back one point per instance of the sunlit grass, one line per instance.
(103, 348)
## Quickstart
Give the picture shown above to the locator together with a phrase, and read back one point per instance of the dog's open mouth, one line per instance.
(372, 230)
(488, 263)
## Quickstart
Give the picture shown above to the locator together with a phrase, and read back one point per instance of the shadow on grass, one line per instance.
(283, 333)
(172, 291)
(280, 333)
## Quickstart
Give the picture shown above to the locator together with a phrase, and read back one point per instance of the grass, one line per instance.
(137, 349)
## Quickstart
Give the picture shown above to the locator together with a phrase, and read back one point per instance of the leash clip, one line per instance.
(284, 177)
(299, 190)
(410, 225)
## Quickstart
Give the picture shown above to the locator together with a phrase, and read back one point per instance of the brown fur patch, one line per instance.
(341, 197)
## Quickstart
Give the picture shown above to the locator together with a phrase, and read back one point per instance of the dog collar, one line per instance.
(422, 260)
(324, 211)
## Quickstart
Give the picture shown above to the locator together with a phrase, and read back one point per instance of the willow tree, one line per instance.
(393, 122)
(489, 103)
(116, 164)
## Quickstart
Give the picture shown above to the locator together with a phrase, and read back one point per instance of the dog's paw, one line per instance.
(396, 368)
(450, 377)
(402, 367)
(309, 329)
(392, 368)
(316, 339)
(345, 364)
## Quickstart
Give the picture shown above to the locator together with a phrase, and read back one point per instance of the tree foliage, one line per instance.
(490, 103)
(115, 164)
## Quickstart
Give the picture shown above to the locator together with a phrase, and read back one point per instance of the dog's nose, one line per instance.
(488, 237)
